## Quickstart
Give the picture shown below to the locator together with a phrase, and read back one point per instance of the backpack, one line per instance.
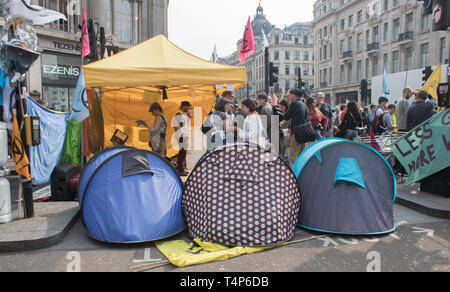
(379, 124)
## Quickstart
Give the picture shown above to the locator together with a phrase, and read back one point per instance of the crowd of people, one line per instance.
(302, 120)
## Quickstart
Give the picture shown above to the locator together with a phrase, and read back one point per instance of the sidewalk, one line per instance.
(426, 203)
(51, 223)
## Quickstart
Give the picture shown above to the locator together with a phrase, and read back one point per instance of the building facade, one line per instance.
(127, 22)
(290, 49)
(359, 39)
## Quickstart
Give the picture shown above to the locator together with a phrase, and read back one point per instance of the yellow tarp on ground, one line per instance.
(182, 254)
(158, 62)
(122, 108)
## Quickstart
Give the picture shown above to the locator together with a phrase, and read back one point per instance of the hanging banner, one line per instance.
(45, 157)
(18, 153)
(425, 150)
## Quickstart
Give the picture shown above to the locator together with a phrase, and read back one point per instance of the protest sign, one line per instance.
(425, 150)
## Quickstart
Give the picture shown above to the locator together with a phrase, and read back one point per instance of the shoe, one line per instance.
(183, 173)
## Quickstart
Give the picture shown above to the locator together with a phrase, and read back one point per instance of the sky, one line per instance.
(197, 25)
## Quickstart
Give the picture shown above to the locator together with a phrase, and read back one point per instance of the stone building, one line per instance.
(358, 39)
(127, 22)
(290, 49)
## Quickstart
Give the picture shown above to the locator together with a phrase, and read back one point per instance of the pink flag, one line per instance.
(86, 49)
(373, 142)
(248, 43)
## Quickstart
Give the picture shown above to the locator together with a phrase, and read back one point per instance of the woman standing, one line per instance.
(351, 121)
(318, 121)
(253, 131)
(219, 124)
(157, 131)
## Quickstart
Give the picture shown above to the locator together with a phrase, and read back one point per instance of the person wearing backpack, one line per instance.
(380, 111)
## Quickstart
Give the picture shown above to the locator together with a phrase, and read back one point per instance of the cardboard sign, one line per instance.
(425, 150)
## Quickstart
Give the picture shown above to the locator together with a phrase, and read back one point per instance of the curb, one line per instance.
(433, 212)
(29, 245)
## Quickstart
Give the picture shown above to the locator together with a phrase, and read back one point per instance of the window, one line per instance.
(123, 20)
(396, 29)
(350, 21)
(359, 42)
(409, 22)
(385, 62)
(386, 32)
(288, 71)
(396, 3)
(277, 55)
(342, 24)
(296, 41)
(305, 70)
(368, 41)
(386, 5)
(375, 34)
(306, 57)
(442, 51)
(375, 66)
(360, 16)
(395, 62)
(305, 40)
(277, 39)
(342, 74)
(425, 22)
(297, 56)
(350, 44)
(288, 85)
(367, 69)
(342, 47)
(350, 73)
(359, 70)
(287, 55)
(424, 55)
(325, 53)
(73, 21)
(325, 31)
(408, 59)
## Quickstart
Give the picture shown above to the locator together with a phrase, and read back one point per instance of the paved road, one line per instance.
(421, 243)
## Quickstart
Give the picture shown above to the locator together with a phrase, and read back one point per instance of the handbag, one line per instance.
(304, 133)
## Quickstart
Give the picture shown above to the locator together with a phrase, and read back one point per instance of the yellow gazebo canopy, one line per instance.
(158, 62)
(127, 77)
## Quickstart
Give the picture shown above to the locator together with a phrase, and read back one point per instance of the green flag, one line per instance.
(72, 144)
(426, 149)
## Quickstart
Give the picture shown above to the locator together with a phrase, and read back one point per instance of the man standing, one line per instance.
(325, 108)
(266, 110)
(419, 111)
(402, 108)
(181, 124)
(388, 119)
(298, 114)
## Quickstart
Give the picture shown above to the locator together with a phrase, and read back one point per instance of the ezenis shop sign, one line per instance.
(61, 70)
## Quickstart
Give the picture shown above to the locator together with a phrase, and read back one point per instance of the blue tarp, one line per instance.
(45, 157)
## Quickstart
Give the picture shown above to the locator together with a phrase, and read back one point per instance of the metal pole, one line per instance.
(266, 73)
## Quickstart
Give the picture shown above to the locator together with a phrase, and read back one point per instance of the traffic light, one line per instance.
(93, 56)
(426, 73)
(301, 82)
(440, 15)
(273, 74)
(364, 91)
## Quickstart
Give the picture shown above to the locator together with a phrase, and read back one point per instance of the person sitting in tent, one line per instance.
(158, 131)
(182, 126)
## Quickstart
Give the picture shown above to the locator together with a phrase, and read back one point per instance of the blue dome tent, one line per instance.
(347, 188)
(128, 196)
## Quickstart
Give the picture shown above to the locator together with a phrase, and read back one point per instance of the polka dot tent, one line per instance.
(240, 195)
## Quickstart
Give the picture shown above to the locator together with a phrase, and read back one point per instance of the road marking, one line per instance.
(147, 258)
(429, 232)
